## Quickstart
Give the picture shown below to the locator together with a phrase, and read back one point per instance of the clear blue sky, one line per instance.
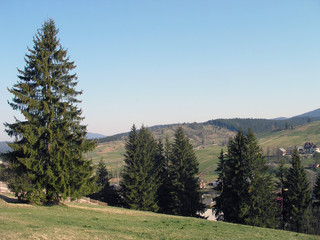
(161, 62)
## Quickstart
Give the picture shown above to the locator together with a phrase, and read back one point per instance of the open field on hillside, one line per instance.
(207, 154)
(208, 161)
(112, 154)
(291, 137)
(81, 221)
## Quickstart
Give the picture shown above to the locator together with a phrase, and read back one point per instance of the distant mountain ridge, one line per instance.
(91, 135)
(258, 126)
(314, 113)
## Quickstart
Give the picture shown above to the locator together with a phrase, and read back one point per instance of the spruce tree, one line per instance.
(47, 164)
(316, 189)
(297, 195)
(259, 207)
(246, 189)
(221, 180)
(105, 192)
(139, 185)
(184, 183)
(164, 180)
(281, 175)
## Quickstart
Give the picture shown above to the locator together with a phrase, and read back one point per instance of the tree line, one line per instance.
(261, 125)
(249, 195)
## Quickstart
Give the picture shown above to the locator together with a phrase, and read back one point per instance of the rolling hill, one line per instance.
(208, 141)
(314, 113)
(291, 137)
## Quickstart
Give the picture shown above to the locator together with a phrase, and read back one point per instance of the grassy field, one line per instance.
(208, 161)
(82, 221)
(291, 137)
(112, 154)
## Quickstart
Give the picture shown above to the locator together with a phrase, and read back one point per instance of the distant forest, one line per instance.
(261, 125)
(258, 126)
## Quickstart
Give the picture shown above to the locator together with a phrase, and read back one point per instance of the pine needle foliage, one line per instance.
(316, 188)
(105, 192)
(162, 160)
(297, 196)
(246, 188)
(139, 183)
(184, 182)
(47, 164)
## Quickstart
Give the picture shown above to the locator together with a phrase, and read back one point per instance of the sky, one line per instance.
(173, 61)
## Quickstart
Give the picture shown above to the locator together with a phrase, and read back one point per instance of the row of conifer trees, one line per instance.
(160, 177)
(250, 195)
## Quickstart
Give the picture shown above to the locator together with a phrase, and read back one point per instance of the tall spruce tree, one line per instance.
(139, 185)
(246, 189)
(221, 181)
(47, 164)
(316, 189)
(297, 195)
(164, 180)
(280, 184)
(184, 183)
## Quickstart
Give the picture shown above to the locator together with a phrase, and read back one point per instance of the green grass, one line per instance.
(81, 221)
(208, 161)
(112, 154)
(291, 137)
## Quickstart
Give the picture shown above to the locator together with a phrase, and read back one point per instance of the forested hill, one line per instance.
(261, 125)
(198, 133)
(219, 130)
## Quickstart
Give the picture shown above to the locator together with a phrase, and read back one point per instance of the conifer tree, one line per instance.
(184, 183)
(297, 195)
(105, 191)
(139, 185)
(281, 175)
(47, 164)
(164, 181)
(316, 188)
(246, 189)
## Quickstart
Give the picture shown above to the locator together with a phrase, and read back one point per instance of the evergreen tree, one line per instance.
(297, 195)
(259, 208)
(164, 181)
(184, 183)
(281, 174)
(316, 188)
(105, 192)
(140, 175)
(221, 180)
(246, 189)
(47, 164)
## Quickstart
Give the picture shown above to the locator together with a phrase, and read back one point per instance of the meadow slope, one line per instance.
(82, 221)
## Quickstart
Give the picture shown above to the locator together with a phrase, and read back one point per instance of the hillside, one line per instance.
(199, 133)
(112, 154)
(291, 137)
(82, 221)
(202, 131)
(208, 141)
(314, 113)
(259, 126)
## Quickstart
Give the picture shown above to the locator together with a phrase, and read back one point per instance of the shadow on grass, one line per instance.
(9, 199)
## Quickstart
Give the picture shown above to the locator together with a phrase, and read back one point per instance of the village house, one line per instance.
(310, 148)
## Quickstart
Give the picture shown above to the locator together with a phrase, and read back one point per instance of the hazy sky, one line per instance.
(161, 62)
